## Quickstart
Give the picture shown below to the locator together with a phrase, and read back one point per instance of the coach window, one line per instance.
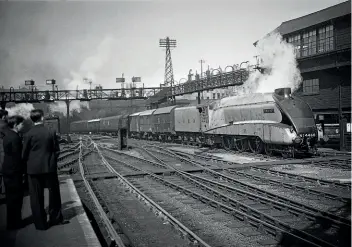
(311, 86)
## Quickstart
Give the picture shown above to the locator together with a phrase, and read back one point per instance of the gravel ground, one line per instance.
(93, 164)
(137, 221)
(314, 172)
(215, 227)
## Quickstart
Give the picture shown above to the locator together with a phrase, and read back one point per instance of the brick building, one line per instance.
(322, 42)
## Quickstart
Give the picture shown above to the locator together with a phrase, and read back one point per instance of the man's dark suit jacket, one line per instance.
(40, 150)
(12, 144)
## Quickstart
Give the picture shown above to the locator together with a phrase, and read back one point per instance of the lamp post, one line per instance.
(201, 67)
(241, 68)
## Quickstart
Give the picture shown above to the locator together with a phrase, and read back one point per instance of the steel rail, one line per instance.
(318, 181)
(272, 228)
(255, 212)
(254, 196)
(263, 192)
(178, 225)
(115, 238)
(303, 178)
(312, 191)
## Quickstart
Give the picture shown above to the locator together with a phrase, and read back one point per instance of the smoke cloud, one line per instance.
(89, 69)
(91, 66)
(278, 58)
(75, 106)
(21, 109)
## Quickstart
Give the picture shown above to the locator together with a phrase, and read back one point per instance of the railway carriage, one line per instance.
(146, 124)
(79, 126)
(94, 126)
(116, 126)
(134, 125)
(163, 120)
(188, 124)
(265, 122)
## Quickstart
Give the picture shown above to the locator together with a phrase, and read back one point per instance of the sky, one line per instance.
(70, 40)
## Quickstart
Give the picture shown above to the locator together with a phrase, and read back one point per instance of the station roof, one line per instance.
(315, 18)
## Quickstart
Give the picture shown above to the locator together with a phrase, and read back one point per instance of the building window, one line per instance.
(326, 39)
(218, 95)
(309, 43)
(296, 42)
(213, 95)
(311, 86)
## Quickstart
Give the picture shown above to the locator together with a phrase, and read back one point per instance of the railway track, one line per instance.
(255, 212)
(254, 187)
(137, 224)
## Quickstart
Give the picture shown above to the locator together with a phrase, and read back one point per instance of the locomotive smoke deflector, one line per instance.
(296, 110)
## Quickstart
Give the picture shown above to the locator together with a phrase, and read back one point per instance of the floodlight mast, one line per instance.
(169, 74)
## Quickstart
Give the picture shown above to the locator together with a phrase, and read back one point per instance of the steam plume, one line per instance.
(91, 66)
(75, 106)
(278, 57)
(20, 109)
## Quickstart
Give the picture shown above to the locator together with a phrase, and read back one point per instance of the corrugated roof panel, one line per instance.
(164, 110)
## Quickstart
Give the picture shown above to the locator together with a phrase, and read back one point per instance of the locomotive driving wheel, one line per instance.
(240, 144)
(268, 148)
(256, 145)
(227, 142)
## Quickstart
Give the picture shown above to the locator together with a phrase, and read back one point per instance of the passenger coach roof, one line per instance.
(135, 114)
(146, 113)
(247, 99)
(186, 107)
(80, 121)
(94, 120)
(112, 117)
(164, 110)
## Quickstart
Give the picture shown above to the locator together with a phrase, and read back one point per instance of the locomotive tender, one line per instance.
(260, 122)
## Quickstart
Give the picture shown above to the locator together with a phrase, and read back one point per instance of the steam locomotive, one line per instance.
(260, 123)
